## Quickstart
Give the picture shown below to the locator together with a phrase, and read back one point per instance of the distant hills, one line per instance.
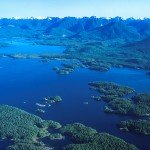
(142, 46)
(96, 42)
(83, 28)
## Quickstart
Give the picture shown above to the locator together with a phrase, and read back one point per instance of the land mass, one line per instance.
(86, 138)
(137, 126)
(27, 131)
(98, 43)
(115, 96)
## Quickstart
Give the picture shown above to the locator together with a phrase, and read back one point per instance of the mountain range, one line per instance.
(83, 28)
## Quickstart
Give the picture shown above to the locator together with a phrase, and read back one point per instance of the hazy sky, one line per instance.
(79, 8)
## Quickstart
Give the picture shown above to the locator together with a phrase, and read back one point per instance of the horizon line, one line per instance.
(48, 17)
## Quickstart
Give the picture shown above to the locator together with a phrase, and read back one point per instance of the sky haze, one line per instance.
(77, 8)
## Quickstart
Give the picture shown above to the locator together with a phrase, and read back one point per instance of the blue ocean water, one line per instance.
(23, 82)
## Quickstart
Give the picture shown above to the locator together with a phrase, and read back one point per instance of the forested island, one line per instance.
(117, 102)
(24, 129)
(27, 131)
(86, 138)
(137, 126)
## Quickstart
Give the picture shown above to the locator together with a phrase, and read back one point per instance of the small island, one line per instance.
(67, 68)
(92, 64)
(52, 99)
(63, 71)
(46, 103)
(110, 88)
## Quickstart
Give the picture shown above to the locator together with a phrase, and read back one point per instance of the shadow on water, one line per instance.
(5, 143)
(58, 144)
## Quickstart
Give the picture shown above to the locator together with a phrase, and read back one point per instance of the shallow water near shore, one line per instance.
(24, 82)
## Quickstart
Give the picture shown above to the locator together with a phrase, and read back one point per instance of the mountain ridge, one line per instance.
(83, 28)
